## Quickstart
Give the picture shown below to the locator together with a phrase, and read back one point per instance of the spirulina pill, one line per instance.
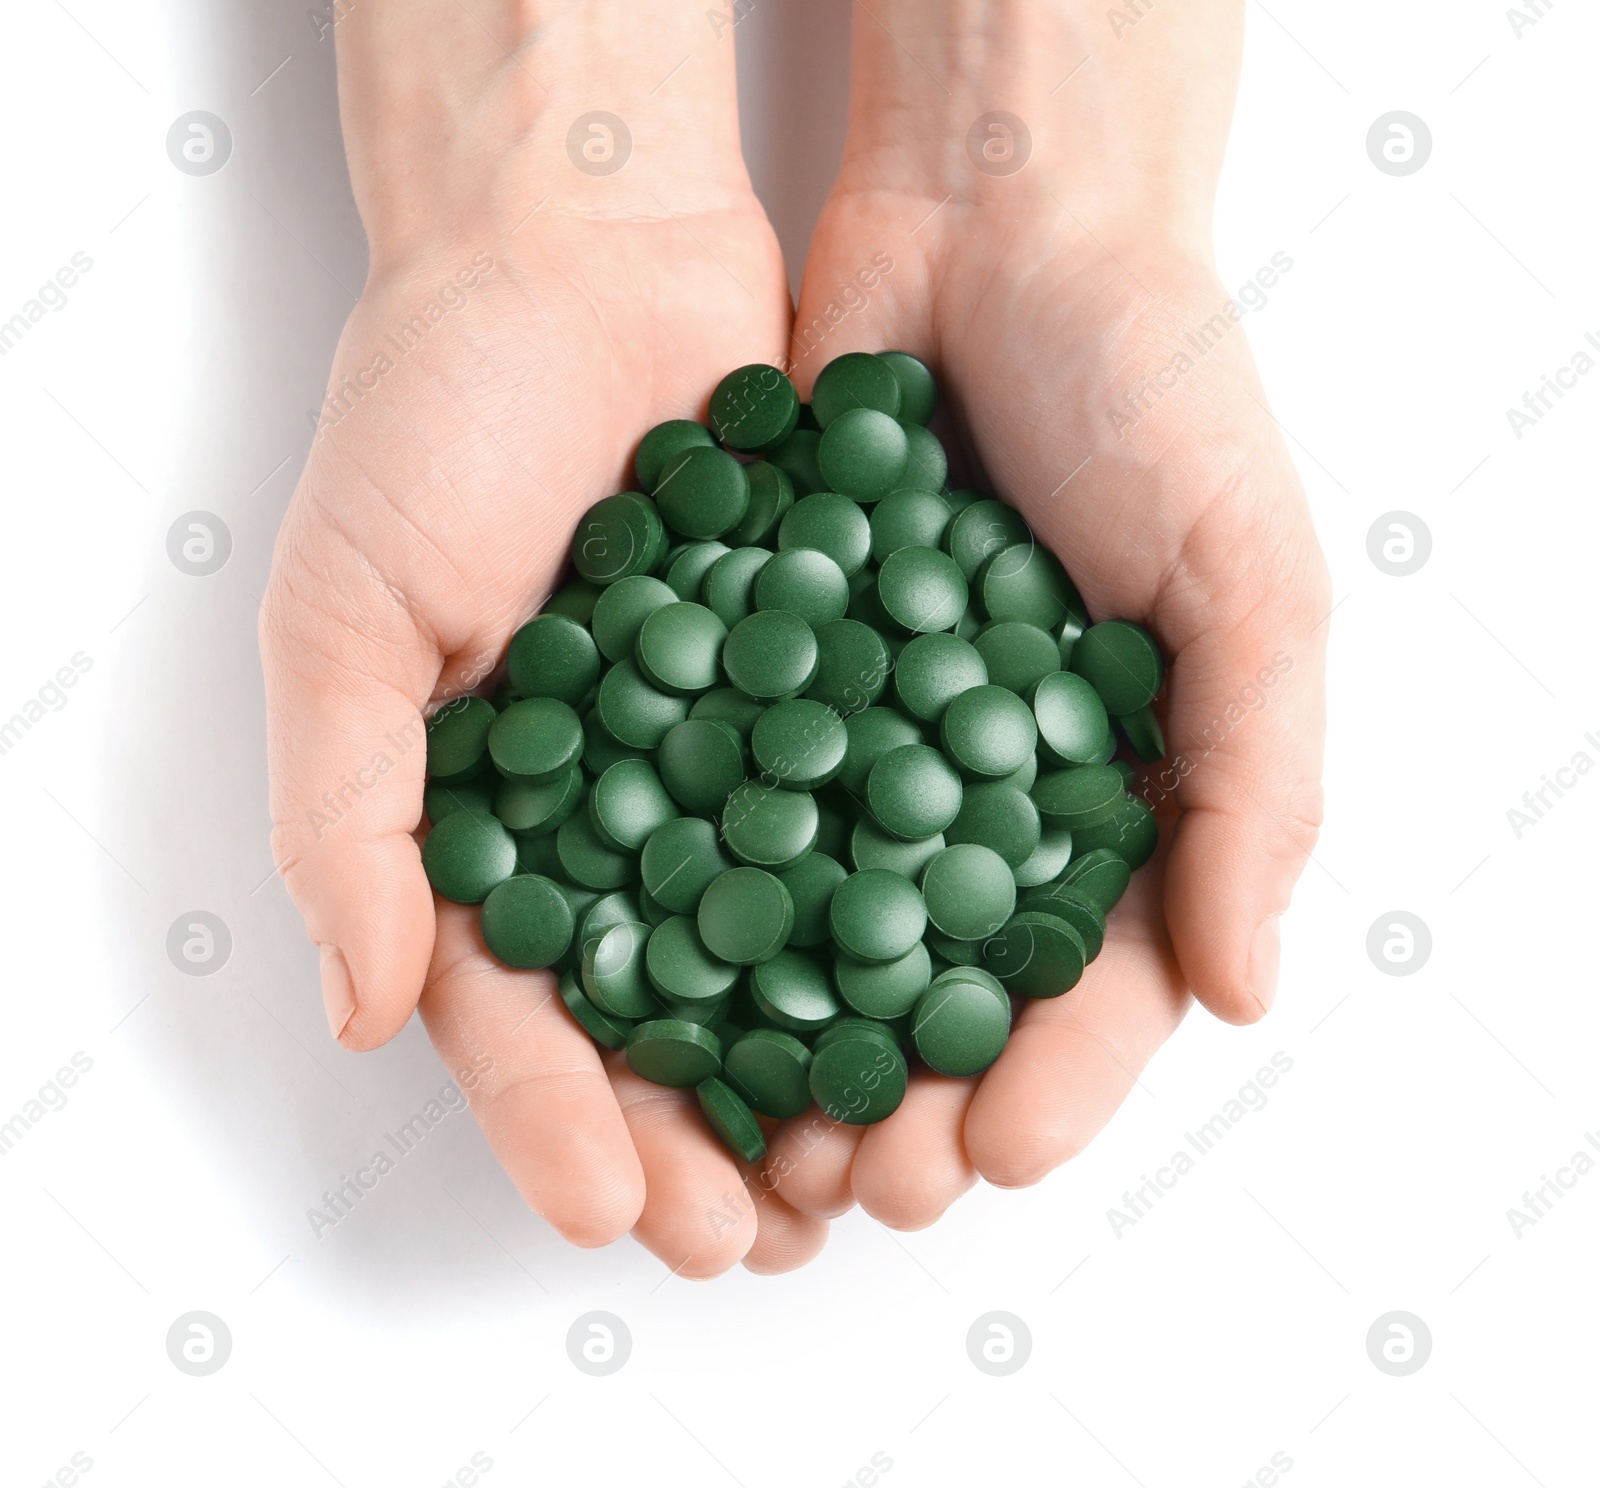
(767, 827)
(807, 583)
(1074, 727)
(441, 799)
(934, 670)
(600, 750)
(458, 736)
(628, 803)
(605, 1030)
(877, 915)
(685, 573)
(1018, 655)
(680, 648)
(908, 519)
(799, 744)
(918, 393)
(622, 608)
(540, 808)
(960, 1026)
(988, 732)
(863, 454)
(1143, 733)
(703, 493)
(913, 792)
(921, 589)
(467, 855)
(729, 586)
(1102, 875)
(1046, 861)
(682, 968)
(769, 655)
(796, 457)
(613, 971)
(588, 860)
(1122, 662)
(769, 1069)
(980, 530)
(968, 891)
(852, 666)
(674, 1052)
(1025, 582)
(617, 537)
(811, 883)
(1036, 955)
(731, 1120)
(1074, 906)
(832, 524)
(728, 705)
(927, 465)
(772, 493)
(1000, 817)
(662, 443)
(527, 922)
(635, 712)
(887, 989)
(536, 740)
(754, 408)
(575, 599)
(745, 916)
(794, 992)
(872, 847)
(858, 379)
(869, 735)
(701, 761)
(1130, 832)
(681, 861)
(1079, 798)
(552, 656)
(858, 1079)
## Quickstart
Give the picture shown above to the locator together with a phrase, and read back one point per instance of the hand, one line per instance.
(1053, 304)
(554, 315)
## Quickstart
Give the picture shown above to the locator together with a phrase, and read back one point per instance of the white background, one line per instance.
(1226, 1326)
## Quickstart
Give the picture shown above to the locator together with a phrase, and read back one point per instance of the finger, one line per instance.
(785, 1238)
(536, 1085)
(912, 1167)
(1072, 1060)
(808, 1162)
(697, 1216)
(347, 669)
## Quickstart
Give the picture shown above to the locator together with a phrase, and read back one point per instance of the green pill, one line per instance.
(927, 465)
(858, 379)
(793, 991)
(796, 457)
(467, 854)
(1000, 817)
(701, 761)
(918, 394)
(539, 808)
(654, 914)
(674, 1052)
(608, 1032)
(959, 1027)
(952, 952)
(863, 454)
(633, 711)
(1075, 907)
(1067, 634)
(765, 826)
(872, 847)
(834, 815)
(754, 408)
(811, 883)
(1074, 727)
(913, 792)
(1036, 955)
(681, 861)
(988, 732)
(858, 1079)
(769, 655)
(553, 657)
(440, 800)
(604, 912)
(600, 750)
(1047, 860)
(745, 916)
(575, 599)
(680, 648)
(1018, 655)
(618, 537)
(1130, 832)
(1143, 733)
(536, 740)
(730, 706)
(980, 530)
(688, 567)
(1122, 662)
(458, 736)
(703, 493)
(1026, 582)
(852, 666)
(729, 586)
(933, 671)
(921, 589)
(869, 735)
(536, 853)
(889, 989)
(1100, 875)
(663, 442)
(771, 495)
(527, 922)
(769, 1069)
(806, 582)
(877, 916)
(832, 524)
(621, 609)
(683, 969)
(589, 860)
(1075, 799)
(613, 971)
(968, 891)
(908, 519)
(628, 803)
(799, 744)
(730, 1118)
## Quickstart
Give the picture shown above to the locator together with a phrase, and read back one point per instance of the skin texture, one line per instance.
(434, 513)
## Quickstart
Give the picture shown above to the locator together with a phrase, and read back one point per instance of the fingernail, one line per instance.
(1265, 950)
(338, 994)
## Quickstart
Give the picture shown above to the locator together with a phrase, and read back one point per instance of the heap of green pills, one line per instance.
(810, 767)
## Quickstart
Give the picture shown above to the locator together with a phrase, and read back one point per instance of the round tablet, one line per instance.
(588, 860)
(527, 922)
(608, 1032)
(877, 915)
(745, 916)
(440, 800)
(869, 735)
(917, 391)
(1000, 817)
(858, 379)
(540, 808)
(672, 1051)
(988, 732)
(806, 582)
(858, 1079)
(921, 589)
(703, 493)
(769, 655)
(960, 1026)
(613, 971)
(1101, 875)
(628, 803)
(1025, 582)
(633, 711)
(908, 519)
(1073, 725)
(701, 761)
(605, 910)
(1121, 661)
(754, 408)
(575, 599)
(730, 1118)
(832, 524)
(793, 991)
(680, 648)
(621, 609)
(1079, 798)
(1036, 955)
(687, 567)
(1130, 832)
(765, 826)
(913, 792)
(835, 813)
(769, 1069)
(458, 736)
(951, 952)
(933, 671)
(618, 537)
(536, 740)
(863, 454)
(872, 847)
(1046, 861)
(1074, 906)
(969, 891)
(927, 465)
(771, 495)
(1143, 733)
(799, 744)
(888, 989)
(663, 442)
(467, 854)
(554, 657)
(852, 666)
(730, 706)
(536, 853)
(680, 862)
(682, 968)
(796, 457)
(982, 529)
(729, 585)
(1017, 654)
(600, 750)
(1067, 634)
(811, 883)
